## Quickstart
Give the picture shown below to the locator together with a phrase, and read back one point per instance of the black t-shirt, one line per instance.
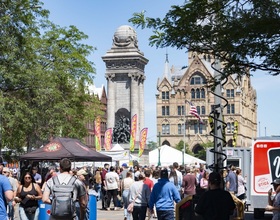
(215, 204)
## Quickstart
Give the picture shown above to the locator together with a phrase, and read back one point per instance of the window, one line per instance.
(165, 129)
(193, 93)
(197, 80)
(228, 127)
(180, 129)
(198, 128)
(202, 93)
(198, 109)
(203, 110)
(165, 110)
(181, 110)
(230, 109)
(230, 93)
(198, 93)
(165, 95)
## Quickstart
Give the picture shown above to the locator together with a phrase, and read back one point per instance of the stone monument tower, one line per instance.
(125, 76)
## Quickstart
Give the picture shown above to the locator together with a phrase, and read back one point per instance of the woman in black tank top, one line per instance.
(28, 194)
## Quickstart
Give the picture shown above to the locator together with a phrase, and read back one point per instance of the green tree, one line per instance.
(44, 78)
(152, 145)
(202, 153)
(242, 34)
(180, 147)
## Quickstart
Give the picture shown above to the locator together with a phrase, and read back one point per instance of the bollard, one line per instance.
(92, 207)
(44, 211)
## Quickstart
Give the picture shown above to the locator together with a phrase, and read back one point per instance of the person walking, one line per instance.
(79, 192)
(6, 195)
(139, 194)
(14, 183)
(179, 176)
(97, 184)
(28, 194)
(189, 183)
(241, 189)
(81, 174)
(215, 203)
(125, 185)
(112, 185)
(103, 191)
(163, 196)
(274, 203)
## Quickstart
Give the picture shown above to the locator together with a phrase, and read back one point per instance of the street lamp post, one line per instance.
(159, 163)
(183, 157)
(184, 150)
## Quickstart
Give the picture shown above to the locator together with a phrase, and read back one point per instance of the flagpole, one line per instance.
(184, 135)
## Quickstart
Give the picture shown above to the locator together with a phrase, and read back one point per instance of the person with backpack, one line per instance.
(62, 191)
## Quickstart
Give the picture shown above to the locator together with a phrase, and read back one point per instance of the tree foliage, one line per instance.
(242, 34)
(44, 77)
(180, 147)
(152, 145)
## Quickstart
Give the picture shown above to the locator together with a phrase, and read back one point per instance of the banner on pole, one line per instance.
(133, 132)
(108, 139)
(97, 133)
(143, 139)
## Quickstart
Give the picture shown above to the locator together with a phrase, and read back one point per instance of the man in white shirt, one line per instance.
(112, 185)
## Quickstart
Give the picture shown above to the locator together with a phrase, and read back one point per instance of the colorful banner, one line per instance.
(97, 133)
(143, 138)
(108, 139)
(133, 129)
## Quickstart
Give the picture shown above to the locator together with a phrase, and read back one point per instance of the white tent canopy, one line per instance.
(169, 155)
(118, 153)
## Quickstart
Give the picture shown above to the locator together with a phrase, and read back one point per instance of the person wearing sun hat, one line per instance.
(274, 203)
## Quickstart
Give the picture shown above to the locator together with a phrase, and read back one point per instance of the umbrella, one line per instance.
(70, 148)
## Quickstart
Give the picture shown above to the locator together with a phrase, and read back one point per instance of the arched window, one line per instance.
(198, 109)
(203, 110)
(198, 93)
(198, 79)
(203, 93)
(193, 93)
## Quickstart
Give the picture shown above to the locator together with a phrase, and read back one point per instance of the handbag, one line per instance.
(30, 210)
(131, 205)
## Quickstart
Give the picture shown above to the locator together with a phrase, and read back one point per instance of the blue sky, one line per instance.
(100, 19)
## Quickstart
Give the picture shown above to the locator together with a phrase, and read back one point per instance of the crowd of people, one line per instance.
(138, 191)
(154, 190)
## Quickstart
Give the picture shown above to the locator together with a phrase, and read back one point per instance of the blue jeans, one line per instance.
(24, 216)
(165, 214)
(11, 210)
(139, 212)
(97, 188)
(125, 204)
(77, 205)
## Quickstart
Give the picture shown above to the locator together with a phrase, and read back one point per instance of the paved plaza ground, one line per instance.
(119, 215)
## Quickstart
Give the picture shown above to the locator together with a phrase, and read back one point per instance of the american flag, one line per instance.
(194, 112)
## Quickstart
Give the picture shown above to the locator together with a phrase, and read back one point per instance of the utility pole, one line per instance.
(159, 163)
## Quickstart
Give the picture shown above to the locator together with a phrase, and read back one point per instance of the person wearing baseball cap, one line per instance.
(274, 203)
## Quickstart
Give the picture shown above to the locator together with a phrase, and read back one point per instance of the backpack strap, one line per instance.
(72, 180)
(55, 180)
